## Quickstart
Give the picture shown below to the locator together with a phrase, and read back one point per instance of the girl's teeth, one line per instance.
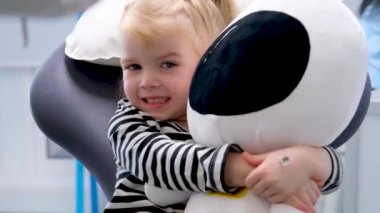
(156, 100)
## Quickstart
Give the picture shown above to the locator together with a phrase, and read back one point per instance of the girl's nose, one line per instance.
(149, 80)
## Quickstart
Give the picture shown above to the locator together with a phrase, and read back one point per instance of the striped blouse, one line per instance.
(164, 155)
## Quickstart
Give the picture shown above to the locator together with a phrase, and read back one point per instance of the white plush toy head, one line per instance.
(283, 73)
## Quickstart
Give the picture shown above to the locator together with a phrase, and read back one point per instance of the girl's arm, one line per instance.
(142, 150)
(171, 160)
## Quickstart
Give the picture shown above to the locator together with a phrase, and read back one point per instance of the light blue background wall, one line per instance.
(29, 180)
(44, 35)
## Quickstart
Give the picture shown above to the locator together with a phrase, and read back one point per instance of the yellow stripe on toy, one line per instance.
(238, 195)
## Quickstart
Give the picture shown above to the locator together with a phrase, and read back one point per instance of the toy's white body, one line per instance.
(201, 202)
(326, 98)
(315, 113)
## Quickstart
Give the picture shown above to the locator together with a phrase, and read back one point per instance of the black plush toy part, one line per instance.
(263, 56)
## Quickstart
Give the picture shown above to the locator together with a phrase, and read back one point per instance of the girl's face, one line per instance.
(157, 76)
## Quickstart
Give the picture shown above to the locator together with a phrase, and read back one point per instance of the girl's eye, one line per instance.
(132, 67)
(166, 65)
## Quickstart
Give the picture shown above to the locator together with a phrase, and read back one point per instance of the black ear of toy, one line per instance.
(358, 118)
(273, 45)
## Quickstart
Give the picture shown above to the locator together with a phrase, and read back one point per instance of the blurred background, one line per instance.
(36, 175)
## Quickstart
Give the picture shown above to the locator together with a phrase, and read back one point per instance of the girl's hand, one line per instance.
(306, 198)
(282, 173)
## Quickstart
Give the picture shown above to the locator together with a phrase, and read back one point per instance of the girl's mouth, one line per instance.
(156, 100)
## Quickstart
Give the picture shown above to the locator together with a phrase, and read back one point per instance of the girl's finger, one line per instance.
(259, 188)
(252, 179)
(277, 198)
(268, 193)
(254, 160)
(298, 204)
(305, 198)
(316, 190)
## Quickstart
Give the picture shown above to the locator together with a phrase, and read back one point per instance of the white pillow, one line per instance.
(95, 37)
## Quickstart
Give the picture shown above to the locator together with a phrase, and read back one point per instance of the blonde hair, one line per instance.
(200, 20)
(228, 9)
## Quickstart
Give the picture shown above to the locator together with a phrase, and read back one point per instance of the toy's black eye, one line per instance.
(255, 63)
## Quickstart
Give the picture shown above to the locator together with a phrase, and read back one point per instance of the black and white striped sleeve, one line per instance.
(335, 179)
(141, 149)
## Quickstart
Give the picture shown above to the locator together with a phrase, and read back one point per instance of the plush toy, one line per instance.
(291, 71)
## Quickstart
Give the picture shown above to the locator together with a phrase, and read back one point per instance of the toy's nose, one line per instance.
(255, 63)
